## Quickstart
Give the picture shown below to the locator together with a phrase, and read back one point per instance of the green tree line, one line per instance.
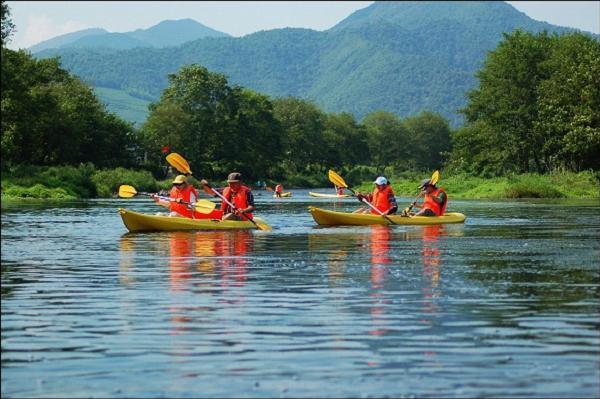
(536, 109)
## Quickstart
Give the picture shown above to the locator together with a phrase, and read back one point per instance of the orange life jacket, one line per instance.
(381, 200)
(239, 199)
(184, 210)
(429, 203)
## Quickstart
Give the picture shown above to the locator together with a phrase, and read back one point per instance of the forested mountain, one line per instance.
(163, 34)
(403, 57)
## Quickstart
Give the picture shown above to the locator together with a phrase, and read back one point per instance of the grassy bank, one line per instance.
(552, 185)
(85, 181)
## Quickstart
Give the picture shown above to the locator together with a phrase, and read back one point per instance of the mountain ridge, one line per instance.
(165, 33)
(368, 61)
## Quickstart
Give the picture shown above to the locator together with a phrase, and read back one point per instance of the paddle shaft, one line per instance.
(372, 206)
(231, 205)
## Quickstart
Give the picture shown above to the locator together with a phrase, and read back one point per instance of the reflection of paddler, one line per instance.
(380, 246)
(431, 264)
(234, 247)
(180, 249)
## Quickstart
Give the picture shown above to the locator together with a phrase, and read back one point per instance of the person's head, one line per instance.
(180, 181)
(234, 180)
(381, 182)
(426, 185)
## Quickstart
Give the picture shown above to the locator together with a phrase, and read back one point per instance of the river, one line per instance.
(504, 305)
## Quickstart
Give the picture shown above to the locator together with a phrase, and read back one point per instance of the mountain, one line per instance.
(63, 40)
(165, 33)
(403, 57)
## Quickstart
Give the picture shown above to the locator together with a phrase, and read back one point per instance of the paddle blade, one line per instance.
(126, 191)
(204, 206)
(435, 177)
(262, 225)
(179, 163)
(336, 179)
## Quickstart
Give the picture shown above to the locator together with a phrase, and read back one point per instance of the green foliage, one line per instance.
(537, 108)
(74, 181)
(107, 181)
(51, 118)
(7, 25)
(37, 191)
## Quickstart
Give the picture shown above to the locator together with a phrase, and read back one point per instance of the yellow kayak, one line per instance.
(332, 218)
(283, 195)
(135, 222)
(320, 195)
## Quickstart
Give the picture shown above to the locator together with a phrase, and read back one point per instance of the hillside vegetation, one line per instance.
(402, 57)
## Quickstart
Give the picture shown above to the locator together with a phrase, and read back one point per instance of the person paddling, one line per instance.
(435, 200)
(239, 195)
(278, 190)
(382, 198)
(181, 191)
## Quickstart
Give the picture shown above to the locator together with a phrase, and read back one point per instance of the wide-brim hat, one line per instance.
(234, 177)
(179, 179)
(425, 183)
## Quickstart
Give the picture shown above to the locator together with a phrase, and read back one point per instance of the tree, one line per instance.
(7, 25)
(429, 139)
(388, 140)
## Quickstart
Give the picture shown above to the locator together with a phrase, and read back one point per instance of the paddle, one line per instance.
(179, 163)
(202, 205)
(434, 179)
(338, 181)
(259, 225)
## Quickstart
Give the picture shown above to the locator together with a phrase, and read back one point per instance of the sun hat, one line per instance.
(179, 179)
(234, 177)
(381, 181)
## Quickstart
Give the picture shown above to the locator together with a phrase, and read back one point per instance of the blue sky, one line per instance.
(41, 20)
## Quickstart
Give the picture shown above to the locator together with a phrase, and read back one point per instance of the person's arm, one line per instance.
(441, 199)
(250, 202)
(394, 207)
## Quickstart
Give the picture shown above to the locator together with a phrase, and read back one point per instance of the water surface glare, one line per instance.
(505, 305)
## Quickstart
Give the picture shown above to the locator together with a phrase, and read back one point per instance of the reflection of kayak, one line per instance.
(135, 222)
(332, 218)
(286, 194)
(319, 195)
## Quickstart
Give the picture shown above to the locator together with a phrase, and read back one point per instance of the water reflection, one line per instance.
(380, 237)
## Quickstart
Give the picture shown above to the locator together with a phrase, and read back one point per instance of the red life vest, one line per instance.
(429, 203)
(279, 188)
(183, 209)
(381, 200)
(239, 199)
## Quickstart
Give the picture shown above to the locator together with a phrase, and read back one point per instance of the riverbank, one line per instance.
(85, 181)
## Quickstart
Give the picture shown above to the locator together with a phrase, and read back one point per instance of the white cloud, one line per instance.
(41, 27)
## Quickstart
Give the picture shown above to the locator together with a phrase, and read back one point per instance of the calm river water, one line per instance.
(505, 305)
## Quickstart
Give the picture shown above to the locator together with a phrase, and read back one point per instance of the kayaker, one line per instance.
(434, 202)
(181, 191)
(382, 198)
(278, 190)
(339, 190)
(239, 195)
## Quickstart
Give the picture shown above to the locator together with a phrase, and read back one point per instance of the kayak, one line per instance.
(319, 195)
(283, 195)
(135, 222)
(333, 218)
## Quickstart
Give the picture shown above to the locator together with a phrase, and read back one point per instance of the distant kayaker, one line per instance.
(435, 200)
(239, 195)
(278, 190)
(339, 190)
(382, 198)
(181, 191)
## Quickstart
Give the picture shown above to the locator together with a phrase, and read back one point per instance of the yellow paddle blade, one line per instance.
(204, 206)
(126, 191)
(435, 177)
(336, 179)
(262, 225)
(179, 163)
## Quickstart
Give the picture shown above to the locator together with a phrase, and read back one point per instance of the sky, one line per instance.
(36, 21)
